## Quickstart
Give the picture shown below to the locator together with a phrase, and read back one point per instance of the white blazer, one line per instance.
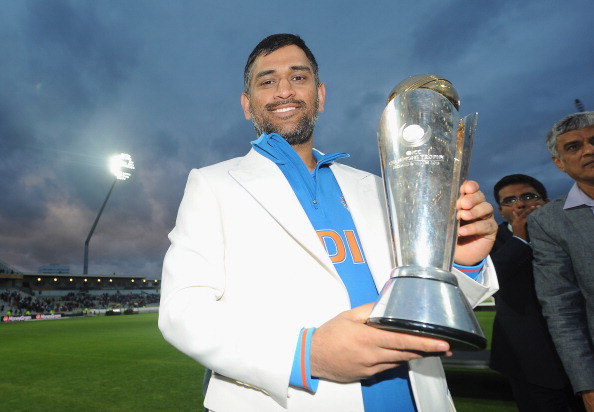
(246, 271)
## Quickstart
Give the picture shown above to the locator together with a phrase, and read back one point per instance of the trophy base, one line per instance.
(458, 339)
(427, 301)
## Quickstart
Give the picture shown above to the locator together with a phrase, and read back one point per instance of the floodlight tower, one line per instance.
(579, 105)
(118, 165)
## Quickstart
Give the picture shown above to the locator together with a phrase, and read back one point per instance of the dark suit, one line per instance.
(563, 243)
(522, 348)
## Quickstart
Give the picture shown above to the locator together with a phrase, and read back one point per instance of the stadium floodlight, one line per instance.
(120, 166)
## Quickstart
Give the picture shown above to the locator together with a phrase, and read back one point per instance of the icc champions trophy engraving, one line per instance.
(425, 153)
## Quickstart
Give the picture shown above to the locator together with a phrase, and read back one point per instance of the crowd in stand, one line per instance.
(17, 302)
(127, 300)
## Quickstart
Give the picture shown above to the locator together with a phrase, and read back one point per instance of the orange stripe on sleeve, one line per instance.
(302, 363)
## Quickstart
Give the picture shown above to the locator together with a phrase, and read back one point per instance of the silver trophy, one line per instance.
(425, 153)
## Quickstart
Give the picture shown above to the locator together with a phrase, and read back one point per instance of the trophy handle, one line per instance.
(466, 133)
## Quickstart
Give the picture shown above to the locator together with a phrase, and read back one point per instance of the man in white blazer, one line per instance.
(250, 291)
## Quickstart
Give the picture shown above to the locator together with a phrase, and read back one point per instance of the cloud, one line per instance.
(84, 80)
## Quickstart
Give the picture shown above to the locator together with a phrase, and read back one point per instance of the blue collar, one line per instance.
(276, 148)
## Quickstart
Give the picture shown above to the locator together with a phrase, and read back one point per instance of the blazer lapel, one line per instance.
(269, 187)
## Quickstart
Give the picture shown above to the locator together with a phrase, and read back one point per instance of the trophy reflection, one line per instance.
(425, 153)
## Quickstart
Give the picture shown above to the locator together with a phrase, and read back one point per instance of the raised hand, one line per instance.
(478, 228)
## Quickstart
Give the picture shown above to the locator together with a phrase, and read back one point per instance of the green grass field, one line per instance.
(107, 363)
(122, 363)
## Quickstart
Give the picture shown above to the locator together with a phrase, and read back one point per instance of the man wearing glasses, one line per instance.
(562, 234)
(522, 348)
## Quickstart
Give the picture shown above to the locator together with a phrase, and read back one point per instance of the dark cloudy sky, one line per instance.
(82, 80)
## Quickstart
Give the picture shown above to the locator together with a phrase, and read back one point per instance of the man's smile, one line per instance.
(285, 106)
(284, 109)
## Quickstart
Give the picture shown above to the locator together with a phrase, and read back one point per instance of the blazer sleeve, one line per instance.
(477, 292)
(562, 303)
(194, 315)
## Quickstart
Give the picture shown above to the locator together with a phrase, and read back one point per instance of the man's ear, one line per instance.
(245, 104)
(559, 163)
(321, 97)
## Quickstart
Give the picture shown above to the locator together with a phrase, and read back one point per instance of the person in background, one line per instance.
(521, 347)
(277, 257)
(562, 235)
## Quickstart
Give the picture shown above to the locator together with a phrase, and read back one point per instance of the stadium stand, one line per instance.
(75, 294)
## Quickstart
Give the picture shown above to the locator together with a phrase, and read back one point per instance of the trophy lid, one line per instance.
(428, 81)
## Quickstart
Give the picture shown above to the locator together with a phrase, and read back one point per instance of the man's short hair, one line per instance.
(568, 124)
(519, 178)
(271, 44)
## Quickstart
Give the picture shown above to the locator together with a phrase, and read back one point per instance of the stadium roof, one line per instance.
(81, 276)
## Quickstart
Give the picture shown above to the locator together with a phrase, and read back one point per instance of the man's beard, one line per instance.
(299, 134)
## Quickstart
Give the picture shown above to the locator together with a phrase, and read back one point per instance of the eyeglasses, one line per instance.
(526, 197)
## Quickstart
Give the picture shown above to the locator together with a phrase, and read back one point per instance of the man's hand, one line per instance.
(345, 349)
(588, 398)
(478, 228)
(520, 223)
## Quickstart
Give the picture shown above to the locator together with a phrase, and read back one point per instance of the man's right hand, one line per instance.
(345, 349)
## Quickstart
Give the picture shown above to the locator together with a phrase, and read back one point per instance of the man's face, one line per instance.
(283, 96)
(509, 212)
(576, 154)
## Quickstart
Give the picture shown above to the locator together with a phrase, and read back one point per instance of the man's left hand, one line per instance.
(478, 229)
